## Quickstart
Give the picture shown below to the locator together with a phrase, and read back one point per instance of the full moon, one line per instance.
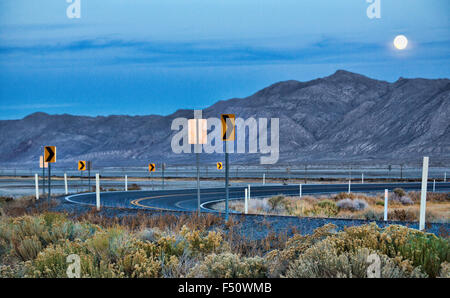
(400, 42)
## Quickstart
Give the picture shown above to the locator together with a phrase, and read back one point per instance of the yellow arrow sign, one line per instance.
(50, 154)
(151, 167)
(219, 166)
(228, 125)
(81, 165)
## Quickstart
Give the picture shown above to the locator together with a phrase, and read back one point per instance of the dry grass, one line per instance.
(438, 206)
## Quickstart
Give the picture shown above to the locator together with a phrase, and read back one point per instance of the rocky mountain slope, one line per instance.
(342, 118)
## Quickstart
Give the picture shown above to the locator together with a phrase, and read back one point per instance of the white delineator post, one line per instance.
(264, 179)
(300, 190)
(434, 185)
(349, 185)
(362, 178)
(445, 177)
(97, 190)
(249, 191)
(36, 181)
(126, 183)
(246, 202)
(65, 184)
(423, 196)
(386, 201)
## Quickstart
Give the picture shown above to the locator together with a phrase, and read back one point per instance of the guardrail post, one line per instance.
(65, 184)
(386, 200)
(423, 196)
(246, 202)
(36, 181)
(97, 190)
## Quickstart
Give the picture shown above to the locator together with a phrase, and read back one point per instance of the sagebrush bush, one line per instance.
(229, 265)
(323, 260)
(38, 246)
(352, 205)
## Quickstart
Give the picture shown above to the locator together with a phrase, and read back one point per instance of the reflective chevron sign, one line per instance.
(219, 166)
(151, 167)
(228, 127)
(81, 165)
(50, 154)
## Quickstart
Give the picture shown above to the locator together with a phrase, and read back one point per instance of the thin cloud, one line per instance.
(36, 106)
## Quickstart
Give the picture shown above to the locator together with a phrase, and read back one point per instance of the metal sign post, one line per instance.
(228, 134)
(50, 157)
(197, 135)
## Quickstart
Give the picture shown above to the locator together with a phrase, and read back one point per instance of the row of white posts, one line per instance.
(247, 192)
(66, 188)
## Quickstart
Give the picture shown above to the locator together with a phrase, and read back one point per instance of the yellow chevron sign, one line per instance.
(228, 127)
(50, 154)
(219, 166)
(81, 165)
(151, 167)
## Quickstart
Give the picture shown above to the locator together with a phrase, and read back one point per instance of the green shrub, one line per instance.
(399, 192)
(325, 208)
(276, 202)
(229, 265)
(324, 261)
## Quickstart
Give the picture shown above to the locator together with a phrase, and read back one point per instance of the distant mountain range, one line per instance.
(340, 119)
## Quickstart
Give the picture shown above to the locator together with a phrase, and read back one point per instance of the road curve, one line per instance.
(186, 199)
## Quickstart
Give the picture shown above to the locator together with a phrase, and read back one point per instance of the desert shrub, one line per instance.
(4, 200)
(134, 186)
(276, 202)
(402, 214)
(198, 243)
(408, 247)
(326, 207)
(352, 205)
(399, 192)
(344, 195)
(229, 265)
(379, 203)
(109, 245)
(372, 215)
(279, 260)
(151, 235)
(323, 260)
(445, 270)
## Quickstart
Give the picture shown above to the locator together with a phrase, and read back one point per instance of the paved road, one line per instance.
(186, 199)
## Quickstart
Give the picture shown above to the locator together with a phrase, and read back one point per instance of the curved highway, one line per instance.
(186, 199)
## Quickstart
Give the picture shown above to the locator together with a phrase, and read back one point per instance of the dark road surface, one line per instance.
(186, 199)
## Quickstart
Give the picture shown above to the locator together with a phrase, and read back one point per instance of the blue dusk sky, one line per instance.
(141, 57)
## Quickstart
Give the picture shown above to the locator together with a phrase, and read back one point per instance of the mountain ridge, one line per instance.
(342, 118)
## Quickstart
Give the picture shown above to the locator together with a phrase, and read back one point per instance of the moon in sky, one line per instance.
(400, 42)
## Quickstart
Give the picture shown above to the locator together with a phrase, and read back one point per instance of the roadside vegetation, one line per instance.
(402, 205)
(38, 246)
(35, 242)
